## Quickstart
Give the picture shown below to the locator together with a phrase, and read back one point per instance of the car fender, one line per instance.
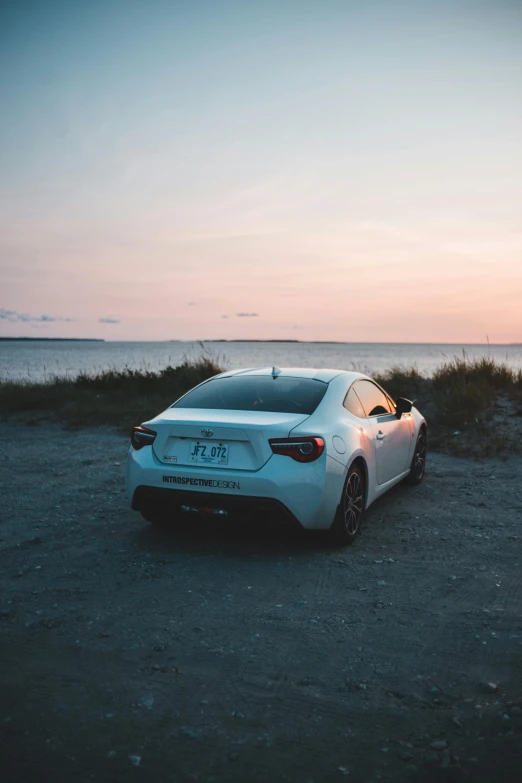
(418, 421)
(359, 447)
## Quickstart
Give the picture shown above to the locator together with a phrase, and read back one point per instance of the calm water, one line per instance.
(40, 360)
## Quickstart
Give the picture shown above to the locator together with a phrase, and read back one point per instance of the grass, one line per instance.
(116, 397)
(473, 407)
(465, 389)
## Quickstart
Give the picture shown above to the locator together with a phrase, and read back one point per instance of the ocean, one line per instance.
(39, 360)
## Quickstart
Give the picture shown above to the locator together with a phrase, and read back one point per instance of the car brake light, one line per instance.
(301, 449)
(142, 436)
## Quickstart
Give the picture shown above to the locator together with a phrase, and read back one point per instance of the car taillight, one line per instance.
(142, 436)
(301, 449)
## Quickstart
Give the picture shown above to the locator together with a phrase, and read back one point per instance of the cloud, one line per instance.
(224, 316)
(108, 321)
(247, 315)
(13, 316)
(190, 304)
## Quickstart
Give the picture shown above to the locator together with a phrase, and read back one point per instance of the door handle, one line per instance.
(380, 435)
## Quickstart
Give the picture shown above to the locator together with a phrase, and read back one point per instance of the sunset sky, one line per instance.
(308, 169)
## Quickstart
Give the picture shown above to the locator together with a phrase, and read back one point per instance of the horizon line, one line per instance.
(257, 340)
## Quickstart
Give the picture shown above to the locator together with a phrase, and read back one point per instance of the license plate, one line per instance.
(203, 453)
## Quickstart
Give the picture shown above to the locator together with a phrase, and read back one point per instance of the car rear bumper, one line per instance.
(169, 501)
(306, 493)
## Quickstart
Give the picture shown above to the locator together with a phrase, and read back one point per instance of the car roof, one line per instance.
(323, 374)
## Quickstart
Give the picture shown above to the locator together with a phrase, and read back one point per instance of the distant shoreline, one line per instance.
(253, 340)
(56, 339)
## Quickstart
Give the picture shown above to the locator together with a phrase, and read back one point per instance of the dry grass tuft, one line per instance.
(473, 406)
(464, 389)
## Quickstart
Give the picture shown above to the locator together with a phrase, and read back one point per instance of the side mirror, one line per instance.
(403, 405)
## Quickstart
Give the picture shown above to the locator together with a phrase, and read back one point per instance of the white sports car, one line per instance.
(317, 445)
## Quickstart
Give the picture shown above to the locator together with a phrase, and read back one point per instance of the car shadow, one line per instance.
(246, 536)
(235, 537)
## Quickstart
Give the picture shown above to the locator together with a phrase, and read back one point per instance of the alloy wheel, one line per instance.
(353, 503)
(419, 463)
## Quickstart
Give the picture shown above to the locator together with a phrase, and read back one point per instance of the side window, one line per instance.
(353, 404)
(373, 400)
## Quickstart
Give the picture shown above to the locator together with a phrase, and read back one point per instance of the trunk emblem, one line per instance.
(207, 433)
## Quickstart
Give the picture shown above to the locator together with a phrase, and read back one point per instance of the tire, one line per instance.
(418, 462)
(347, 522)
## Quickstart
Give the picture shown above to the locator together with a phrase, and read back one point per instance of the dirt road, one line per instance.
(221, 653)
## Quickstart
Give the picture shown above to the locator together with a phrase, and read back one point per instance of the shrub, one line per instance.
(463, 388)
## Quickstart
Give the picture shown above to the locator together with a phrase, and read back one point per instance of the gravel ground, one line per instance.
(220, 653)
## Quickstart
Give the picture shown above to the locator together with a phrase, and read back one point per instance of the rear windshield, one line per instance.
(257, 393)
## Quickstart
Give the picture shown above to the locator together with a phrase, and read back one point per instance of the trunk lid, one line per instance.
(245, 434)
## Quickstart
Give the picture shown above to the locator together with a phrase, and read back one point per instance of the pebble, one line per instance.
(492, 687)
(439, 745)
(233, 756)
(111, 754)
(516, 710)
(135, 760)
(411, 769)
(237, 714)
(404, 756)
(188, 733)
(431, 758)
(381, 582)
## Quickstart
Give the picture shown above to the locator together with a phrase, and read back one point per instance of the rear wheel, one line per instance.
(347, 522)
(418, 462)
